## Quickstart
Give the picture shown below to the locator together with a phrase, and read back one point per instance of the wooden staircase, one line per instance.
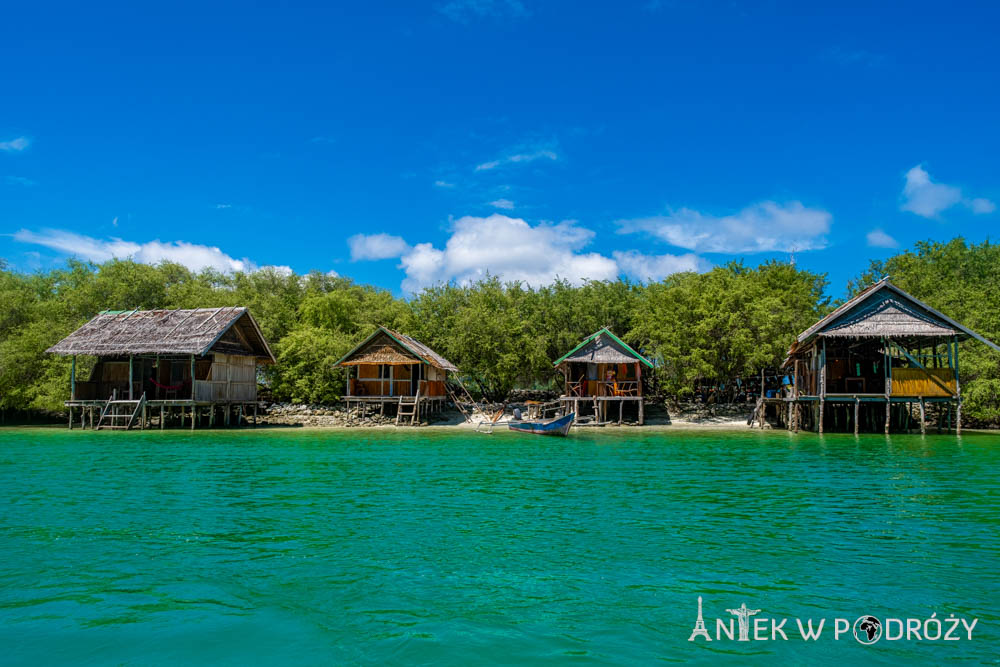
(409, 406)
(120, 414)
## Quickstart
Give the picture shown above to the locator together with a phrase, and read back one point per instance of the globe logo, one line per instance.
(867, 629)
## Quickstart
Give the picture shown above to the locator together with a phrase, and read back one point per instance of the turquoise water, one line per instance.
(280, 546)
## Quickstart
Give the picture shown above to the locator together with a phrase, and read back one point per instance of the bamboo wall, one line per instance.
(914, 382)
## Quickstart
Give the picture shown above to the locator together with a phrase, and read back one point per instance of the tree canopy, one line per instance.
(731, 321)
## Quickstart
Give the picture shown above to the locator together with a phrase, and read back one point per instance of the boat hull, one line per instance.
(557, 426)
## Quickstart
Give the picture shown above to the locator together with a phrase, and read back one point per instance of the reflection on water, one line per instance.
(383, 546)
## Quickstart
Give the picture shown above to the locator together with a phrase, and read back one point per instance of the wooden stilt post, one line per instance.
(923, 417)
(72, 380)
(130, 377)
(83, 416)
(822, 401)
(226, 415)
(958, 418)
(642, 414)
(255, 415)
(857, 409)
(194, 415)
(161, 418)
(211, 416)
(621, 409)
(70, 408)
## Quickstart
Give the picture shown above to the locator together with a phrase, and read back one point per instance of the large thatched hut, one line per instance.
(198, 361)
(875, 363)
(390, 368)
(602, 372)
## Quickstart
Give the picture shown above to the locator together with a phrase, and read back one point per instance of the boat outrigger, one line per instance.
(555, 426)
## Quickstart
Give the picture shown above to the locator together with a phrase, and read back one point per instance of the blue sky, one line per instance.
(405, 144)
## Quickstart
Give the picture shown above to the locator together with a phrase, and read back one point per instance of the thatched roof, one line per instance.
(885, 310)
(603, 347)
(392, 348)
(230, 330)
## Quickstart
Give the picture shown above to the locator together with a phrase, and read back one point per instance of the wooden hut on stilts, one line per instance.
(875, 364)
(392, 369)
(198, 364)
(600, 374)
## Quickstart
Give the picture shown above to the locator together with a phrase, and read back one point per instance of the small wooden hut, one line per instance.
(599, 373)
(199, 361)
(875, 363)
(390, 368)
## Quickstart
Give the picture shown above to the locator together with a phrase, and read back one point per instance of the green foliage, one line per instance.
(731, 321)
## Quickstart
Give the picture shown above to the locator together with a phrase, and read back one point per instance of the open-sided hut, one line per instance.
(395, 369)
(600, 372)
(874, 364)
(198, 361)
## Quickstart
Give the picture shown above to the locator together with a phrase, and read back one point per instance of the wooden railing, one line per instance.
(376, 387)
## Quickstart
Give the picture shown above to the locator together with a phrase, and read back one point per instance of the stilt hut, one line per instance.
(390, 368)
(194, 364)
(876, 364)
(600, 374)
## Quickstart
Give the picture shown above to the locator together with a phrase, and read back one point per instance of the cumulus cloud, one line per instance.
(509, 248)
(519, 158)
(505, 204)
(20, 180)
(928, 199)
(14, 145)
(193, 256)
(443, 184)
(879, 239)
(376, 246)
(764, 227)
(657, 267)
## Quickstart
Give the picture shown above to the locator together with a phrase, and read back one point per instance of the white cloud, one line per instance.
(463, 10)
(443, 184)
(879, 239)
(657, 267)
(14, 145)
(280, 269)
(20, 180)
(223, 206)
(505, 204)
(193, 256)
(509, 248)
(332, 274)
(376, 246)
(522, 157)
(980, 205)
(928, 199)
(764, 227)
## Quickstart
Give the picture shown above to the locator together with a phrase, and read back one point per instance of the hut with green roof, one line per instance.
(600, 374)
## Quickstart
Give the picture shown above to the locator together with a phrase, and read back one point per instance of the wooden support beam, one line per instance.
(888, 405)
(130, 377)
(857, 409)
(821, 402)
(161, 418)
(72, 380)
(923, 417)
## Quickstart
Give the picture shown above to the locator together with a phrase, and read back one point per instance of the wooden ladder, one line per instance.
(408, 407)
(120, 414)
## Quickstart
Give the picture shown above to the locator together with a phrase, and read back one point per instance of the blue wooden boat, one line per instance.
(555, 426)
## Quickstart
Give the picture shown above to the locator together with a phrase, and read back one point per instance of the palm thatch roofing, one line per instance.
(388, 347)
(603, 347)
(884, 310)
(229, 330)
